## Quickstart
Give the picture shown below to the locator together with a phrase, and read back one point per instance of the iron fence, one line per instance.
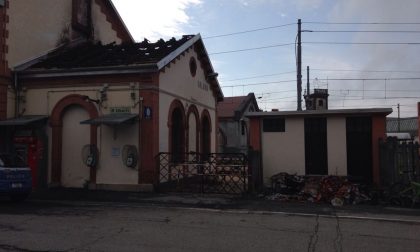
(399, 161)
(196, 172)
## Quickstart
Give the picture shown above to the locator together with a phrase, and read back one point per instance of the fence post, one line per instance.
(255, 170)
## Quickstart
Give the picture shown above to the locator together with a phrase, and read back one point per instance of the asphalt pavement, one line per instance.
(245, 203)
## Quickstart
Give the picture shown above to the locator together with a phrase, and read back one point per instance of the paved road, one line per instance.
(95, 226)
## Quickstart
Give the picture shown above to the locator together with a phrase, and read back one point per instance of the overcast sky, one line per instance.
(270, 72)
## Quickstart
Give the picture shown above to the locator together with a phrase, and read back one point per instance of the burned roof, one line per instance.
(89, 54)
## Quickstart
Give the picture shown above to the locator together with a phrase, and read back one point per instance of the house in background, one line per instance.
(320, 142)
(233, 125)
(403, 128)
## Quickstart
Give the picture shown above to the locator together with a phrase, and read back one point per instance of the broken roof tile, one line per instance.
(97, 55)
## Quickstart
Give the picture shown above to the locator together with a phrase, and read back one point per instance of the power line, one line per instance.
(373, 71)
(317, 42)
(259, 83)
(369, 79)
(290, 24)
(321, 70)
(257, 76)
(251, 49)
(362, 43)
(363, 23)
(329, 79)
(361, 31)
(248, 31)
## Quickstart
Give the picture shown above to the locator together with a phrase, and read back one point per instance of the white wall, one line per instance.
(337, 147)
(284, 151)
(177, 83)
(102, 28)
(111, 170)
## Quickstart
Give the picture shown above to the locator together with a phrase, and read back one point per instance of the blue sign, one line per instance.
(147, 113)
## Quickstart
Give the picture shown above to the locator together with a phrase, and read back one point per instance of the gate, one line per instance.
(212, 173)
(399, 161)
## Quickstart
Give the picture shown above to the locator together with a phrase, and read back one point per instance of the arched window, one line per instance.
(205, 135)
(177, 131)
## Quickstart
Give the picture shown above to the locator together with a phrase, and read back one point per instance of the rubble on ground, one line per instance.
(336, 190)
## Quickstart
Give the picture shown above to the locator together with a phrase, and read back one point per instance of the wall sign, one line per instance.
(203, 86)
(116, 110)
(115, 151)
(147, 113)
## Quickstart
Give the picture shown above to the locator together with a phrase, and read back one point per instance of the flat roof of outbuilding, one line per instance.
(330, 112)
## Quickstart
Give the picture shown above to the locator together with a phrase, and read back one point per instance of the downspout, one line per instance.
(17, 94)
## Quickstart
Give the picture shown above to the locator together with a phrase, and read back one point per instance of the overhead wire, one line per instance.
(360, 43)
(248, 31)
(361, 31)
(363, 23)
(251, 49)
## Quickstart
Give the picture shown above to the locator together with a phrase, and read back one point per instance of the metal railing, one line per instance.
(203, 173)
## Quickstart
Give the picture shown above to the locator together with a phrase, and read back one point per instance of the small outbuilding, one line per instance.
(320, 142)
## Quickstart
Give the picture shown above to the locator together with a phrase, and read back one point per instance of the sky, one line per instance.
(366, 52)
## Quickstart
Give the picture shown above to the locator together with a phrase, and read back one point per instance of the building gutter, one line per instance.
(91, 71)
(335, 112)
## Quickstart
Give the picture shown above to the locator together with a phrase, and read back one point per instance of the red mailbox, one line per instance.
(30, 149)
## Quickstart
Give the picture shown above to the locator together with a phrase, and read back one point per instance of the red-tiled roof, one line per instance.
(227, 107)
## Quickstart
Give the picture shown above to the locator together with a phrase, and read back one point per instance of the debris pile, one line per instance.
(332, 189)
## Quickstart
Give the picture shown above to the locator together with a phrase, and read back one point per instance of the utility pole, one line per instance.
(299, 67)
(399, 126)
(307, 81)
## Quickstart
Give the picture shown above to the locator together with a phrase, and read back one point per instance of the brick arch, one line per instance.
(205, 133)
(176, 104)
(56, 123)
(192, 109)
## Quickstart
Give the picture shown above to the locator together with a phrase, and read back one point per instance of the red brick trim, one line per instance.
(418, 118)
(113, 17)
(255, 134)
(149, 139)
(56, 123)
(378, 132)
(192, 109)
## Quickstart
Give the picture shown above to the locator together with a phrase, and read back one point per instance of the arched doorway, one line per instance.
(177, 131)
(205, 135)
(56, 122)
(74, 173)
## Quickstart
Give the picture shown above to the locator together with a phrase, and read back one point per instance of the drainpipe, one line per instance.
(17, 94)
